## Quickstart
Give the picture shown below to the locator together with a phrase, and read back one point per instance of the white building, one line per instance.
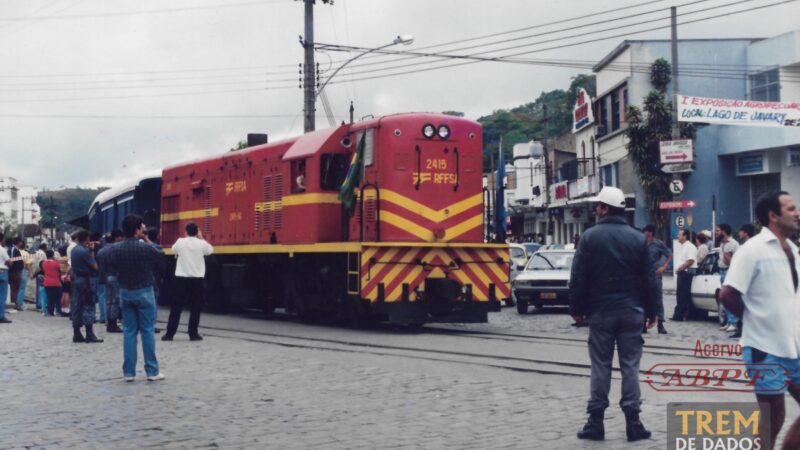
(17, 204)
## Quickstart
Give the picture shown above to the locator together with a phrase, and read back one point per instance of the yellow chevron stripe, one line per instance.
(398, 266)
(407, 225)
(428, 213)
(477, 292)
(493, 266)
(475, 267)
(407, 280)
(367, 275)
(467, 225)
(188, 215)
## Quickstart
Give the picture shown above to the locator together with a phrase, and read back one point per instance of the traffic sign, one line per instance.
(677, 204)
(680, 222)
(676, 151)
(677, 168)
(676, 187)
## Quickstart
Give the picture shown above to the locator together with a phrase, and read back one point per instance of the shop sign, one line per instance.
(582, 115)
(561, 190)
(576, 214)
(750, 164)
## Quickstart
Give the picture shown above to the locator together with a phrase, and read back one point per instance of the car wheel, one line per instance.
(522, 306)
(510, 301)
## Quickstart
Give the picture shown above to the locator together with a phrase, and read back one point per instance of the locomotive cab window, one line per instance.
(369, 148)
(333, 170)
(299, 176)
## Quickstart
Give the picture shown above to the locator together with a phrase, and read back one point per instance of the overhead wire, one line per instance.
(143, 12)
(599, 39)
(416, 54)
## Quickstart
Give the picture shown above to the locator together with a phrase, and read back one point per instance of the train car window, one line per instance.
(299, 176)
(369, 152)
(333, 170)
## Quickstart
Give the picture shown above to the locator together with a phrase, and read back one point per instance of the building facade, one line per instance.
(733, 164)
(17, 204)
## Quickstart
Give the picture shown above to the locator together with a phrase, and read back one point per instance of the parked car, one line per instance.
(531, 248)
(519, 257)
(705, 288)
(545, 280)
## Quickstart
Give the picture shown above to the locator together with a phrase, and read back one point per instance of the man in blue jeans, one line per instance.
(135, 263)
(3, 280)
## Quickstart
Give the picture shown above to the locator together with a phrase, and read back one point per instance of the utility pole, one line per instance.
(309, 75)
(547, 172)
(676, 133)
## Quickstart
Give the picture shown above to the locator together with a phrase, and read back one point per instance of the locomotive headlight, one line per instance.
(444, 132)
(428, 130)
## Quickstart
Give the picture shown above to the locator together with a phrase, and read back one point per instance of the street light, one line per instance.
(405, 39)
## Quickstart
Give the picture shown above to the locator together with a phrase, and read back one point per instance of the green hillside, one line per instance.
(65, 204)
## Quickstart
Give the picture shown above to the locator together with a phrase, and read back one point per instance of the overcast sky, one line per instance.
(93, 92)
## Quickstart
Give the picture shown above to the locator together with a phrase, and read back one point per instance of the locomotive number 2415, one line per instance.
(436, 164)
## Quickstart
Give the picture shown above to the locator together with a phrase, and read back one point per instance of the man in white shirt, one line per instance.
(728, 247)
(3, 279)
(761, 287)
(190, 270)
(685, 266)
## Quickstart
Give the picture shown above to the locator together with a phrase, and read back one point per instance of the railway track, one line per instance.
(438, 352)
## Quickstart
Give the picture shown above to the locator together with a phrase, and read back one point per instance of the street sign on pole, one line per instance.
(677, 168)
(680, 204)
(676, 187)
(674, 152)
(680, 222)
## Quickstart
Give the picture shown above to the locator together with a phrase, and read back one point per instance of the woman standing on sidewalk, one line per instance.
(51, 269)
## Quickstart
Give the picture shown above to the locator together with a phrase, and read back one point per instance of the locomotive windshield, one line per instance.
(333, 170)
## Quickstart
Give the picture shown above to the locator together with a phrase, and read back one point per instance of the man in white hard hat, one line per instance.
(613, 286)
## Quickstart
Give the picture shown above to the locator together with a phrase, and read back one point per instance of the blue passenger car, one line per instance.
(141, 196)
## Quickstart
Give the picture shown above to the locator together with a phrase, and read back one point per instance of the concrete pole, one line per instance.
(309, 77)
(676, 133)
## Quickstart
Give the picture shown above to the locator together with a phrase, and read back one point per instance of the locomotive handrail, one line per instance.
(458, 169)
(419, 167)
(377, 211)
(486, 212)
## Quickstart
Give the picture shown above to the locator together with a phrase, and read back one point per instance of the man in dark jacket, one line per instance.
(613, 286)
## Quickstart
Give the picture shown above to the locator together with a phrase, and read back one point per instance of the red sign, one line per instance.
(677, 205)
(561, 190)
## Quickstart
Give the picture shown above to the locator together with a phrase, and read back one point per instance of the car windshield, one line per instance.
(551, 261)
(531, 248)
(516, 252)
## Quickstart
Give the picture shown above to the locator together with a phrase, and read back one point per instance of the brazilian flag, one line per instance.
(347, 193)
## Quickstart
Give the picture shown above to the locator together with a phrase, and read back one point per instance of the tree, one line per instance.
(239, 146)
(646, 128)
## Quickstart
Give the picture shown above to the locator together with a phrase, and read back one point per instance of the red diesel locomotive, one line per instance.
(381, 218)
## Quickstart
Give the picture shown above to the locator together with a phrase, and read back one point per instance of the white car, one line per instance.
(545, 280)
(519, 257)
(705, 288)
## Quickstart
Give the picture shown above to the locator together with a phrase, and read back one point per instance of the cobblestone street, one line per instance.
(233, 391)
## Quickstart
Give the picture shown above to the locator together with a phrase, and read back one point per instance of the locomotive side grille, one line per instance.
(207, 213)
(369, 210)
(266, 198)
(277, 202)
